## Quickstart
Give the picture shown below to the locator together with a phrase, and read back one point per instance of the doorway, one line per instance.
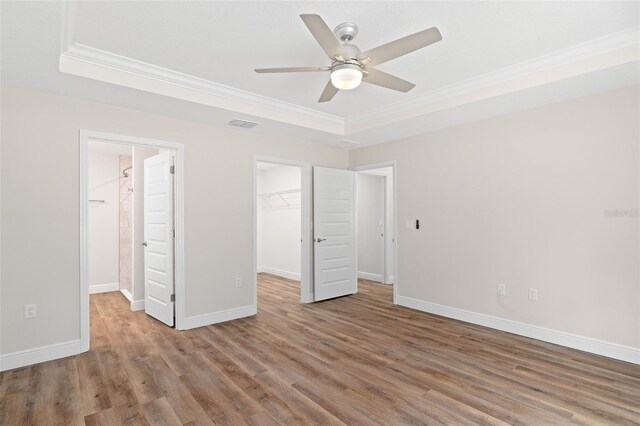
(282, 218)
(329, 228)
(377, 224)
(131, 225)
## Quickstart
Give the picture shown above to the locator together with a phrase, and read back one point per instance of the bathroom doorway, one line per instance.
(131, 226)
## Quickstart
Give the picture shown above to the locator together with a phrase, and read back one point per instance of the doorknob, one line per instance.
(319, 240)
(144, 244)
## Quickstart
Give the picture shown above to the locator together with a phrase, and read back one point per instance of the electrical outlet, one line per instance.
(238, 282)
(533, 293)
(30, 311)
(502, 290)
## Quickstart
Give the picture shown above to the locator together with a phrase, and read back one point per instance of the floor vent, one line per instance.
(242, 123)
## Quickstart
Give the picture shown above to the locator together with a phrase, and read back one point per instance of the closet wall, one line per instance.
(103, 218)
(371, 226)
(279, 221)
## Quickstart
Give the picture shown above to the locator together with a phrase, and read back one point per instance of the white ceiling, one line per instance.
(221, 43)
(224, 41)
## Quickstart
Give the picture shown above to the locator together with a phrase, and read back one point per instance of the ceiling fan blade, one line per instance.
(291, 69)
(381, 78)
(328, 93)
(324, 36)
(401, 46)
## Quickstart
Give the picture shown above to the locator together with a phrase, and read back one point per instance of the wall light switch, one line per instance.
(238, 282)
(533, 293)
(413, 224)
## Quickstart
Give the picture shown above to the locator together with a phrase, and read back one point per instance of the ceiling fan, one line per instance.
(349, 66)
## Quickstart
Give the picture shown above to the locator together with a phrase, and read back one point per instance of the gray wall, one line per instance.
(40, 146)
(103, 230)
(371, 217)
(526, 200)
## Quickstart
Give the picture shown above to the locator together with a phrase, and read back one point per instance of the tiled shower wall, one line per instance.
(126, 223)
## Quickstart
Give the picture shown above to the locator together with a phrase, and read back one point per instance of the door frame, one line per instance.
(394, 220)
(84, 137)
(306, 265)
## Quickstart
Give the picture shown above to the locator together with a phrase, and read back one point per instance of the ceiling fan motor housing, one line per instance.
(346, 31)
(353, 52)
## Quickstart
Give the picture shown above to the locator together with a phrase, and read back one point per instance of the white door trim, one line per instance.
(306, 279)
(392, 164)
(85, 137)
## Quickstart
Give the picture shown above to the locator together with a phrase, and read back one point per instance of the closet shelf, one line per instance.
(279, 199)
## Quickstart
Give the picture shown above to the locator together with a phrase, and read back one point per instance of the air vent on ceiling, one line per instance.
(242, 123)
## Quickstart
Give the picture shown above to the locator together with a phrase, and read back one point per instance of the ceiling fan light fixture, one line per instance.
(346, 76)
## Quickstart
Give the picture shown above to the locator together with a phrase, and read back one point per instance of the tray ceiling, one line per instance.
(216, 45)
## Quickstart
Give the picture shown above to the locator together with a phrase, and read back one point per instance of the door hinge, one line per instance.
(172, 169)
(173, 297)
(173, 233)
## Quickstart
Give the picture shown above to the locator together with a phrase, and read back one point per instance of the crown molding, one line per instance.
(610, 50)
(344, 144)
(86, 61)
(69, 13)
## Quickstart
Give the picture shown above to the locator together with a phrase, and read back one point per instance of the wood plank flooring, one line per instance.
(352, 360)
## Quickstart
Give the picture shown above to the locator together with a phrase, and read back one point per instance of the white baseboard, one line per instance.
(369, 276)
(103, 288)
(40, 354)
(390, 280)
(279, 272)
(587, 344)
(137, 305)
(127, 294)
(221, 316)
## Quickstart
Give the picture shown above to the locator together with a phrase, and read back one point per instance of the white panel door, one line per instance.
(158, 236)
(334, 221)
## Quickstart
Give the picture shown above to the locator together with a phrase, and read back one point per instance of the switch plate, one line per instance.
(238, 282)
(502, 290)
(533, 293)
(30, 311)
(412, 224)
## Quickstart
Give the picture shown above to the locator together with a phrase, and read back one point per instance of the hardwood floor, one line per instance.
(353, 360)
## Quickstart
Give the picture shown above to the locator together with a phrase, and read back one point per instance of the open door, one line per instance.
(334, 217)
(158, 236)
